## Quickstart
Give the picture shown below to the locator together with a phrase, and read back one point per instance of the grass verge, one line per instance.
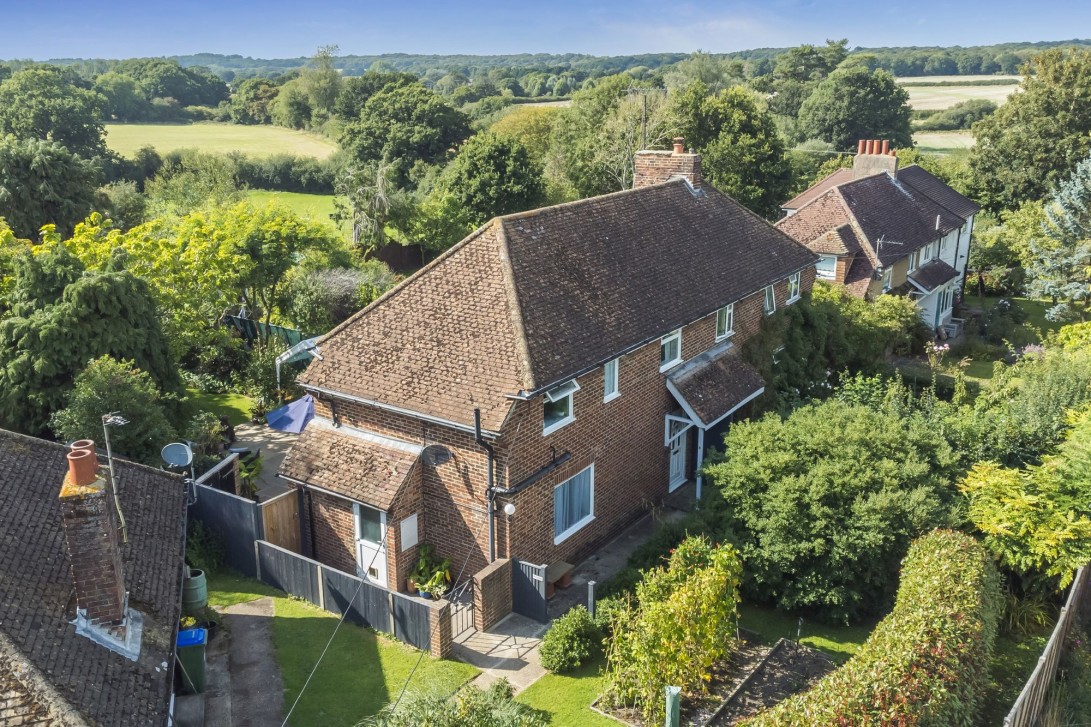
(567, 698)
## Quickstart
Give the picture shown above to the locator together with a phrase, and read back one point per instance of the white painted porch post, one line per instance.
(700, 458)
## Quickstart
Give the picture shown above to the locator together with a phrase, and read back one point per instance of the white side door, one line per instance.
(678, 441)
(370, 550)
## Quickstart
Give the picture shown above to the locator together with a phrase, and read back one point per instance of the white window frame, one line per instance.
(676, 337)
(610, 389)
(572, 529)
(943, 244)
(795, 288)
(914, 260)
(888, 279)
(357, 520)
(769, 301)
(826, 275)
(559, 393)
(725, 322)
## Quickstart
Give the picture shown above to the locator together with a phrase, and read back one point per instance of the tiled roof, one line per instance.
(535, 298)
(364, 467)
(36, 586)
(859, 276)
(938, 191)
(933, 274)
(831, 180)
(714, 384)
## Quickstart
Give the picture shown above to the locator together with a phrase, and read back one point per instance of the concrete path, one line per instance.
(274, 445)
(508, 650)
(257, 691)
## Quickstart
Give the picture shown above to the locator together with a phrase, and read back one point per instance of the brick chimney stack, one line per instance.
(873, 157)
(90, 529)
(654, 167)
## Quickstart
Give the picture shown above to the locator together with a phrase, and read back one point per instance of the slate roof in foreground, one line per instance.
(533, 299)
(36, 596)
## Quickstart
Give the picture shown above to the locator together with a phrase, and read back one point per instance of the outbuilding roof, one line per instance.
(533, 299)
(47, 668)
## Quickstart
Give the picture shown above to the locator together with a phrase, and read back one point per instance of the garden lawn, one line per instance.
(942, 142)
(259, 141)
(567, 698)
(1035, 309)
(360, 674)
(235, 406)
(838, 642)
(1014, 658)
(317, 207)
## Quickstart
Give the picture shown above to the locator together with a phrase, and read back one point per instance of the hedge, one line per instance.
(926, 663)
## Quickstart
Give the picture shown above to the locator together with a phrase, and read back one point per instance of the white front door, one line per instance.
(678, 443)
(370, 548)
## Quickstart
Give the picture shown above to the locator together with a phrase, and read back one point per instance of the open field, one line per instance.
(930, 98)
(943, 142)
(957, 79)
(314, 206)
(259, 141)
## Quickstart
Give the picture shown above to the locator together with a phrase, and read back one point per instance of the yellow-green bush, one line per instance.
(925, 663)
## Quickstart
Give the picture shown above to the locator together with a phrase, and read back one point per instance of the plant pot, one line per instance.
(425, 594)
(410, 586)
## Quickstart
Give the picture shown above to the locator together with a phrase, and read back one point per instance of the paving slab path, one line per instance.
(257, 690)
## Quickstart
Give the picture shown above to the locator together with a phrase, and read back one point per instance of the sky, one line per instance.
(43, 29)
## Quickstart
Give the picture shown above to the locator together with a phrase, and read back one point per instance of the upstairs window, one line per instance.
(558, 406)
(827, 267)
(914, 260)
(770, 303)
(670, 350)
(609, 381)
(794, 287)
(888, 279)
(725, 322)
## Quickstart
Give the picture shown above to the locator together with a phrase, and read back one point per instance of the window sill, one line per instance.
(669, 365)
(611, 397)
(792, 300)
(558, 425)
(724, 337)
(558, 539)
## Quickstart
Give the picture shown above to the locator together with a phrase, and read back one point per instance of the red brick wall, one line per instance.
(94, 552)
(334, 531)
(492, 593)
(654, 167)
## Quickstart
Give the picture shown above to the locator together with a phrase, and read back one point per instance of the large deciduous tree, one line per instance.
(1039, 136)
(742, 154)
(44, 102)
(62, 318)
(853, 104)
(41, 183)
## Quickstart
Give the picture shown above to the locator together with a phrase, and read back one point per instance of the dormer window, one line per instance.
(670, 350)
(557, 408)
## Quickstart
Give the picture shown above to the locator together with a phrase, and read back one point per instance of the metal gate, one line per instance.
(528, 591)
(462, 609)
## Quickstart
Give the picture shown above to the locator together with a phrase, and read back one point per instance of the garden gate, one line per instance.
(528, 590)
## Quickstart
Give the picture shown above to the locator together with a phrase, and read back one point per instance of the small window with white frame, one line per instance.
(826, 267)
(888, 279)
(914, 260)
(795, 288)
(670, 350)
(573, 504)
(769, 303)
(369, 524)
(725, 322)
(943, 244)
(557, 409)
(609, 381)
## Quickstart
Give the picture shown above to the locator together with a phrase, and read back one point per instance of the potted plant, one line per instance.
(436, 586)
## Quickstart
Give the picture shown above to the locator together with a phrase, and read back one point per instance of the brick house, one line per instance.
(87, 621)
(573, 361)
(880, 229)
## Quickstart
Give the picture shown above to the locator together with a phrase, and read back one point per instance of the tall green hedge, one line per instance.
(925, 663)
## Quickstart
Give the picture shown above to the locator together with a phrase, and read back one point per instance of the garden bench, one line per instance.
(558, 574)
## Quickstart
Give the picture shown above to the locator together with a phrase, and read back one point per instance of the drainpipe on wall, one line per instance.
(490, 491)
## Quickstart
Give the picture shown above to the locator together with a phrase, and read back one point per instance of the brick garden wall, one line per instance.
(492, 593)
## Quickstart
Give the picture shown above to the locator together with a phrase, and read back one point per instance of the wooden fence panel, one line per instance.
(280, 519)
(1028, 706)
(366, 603)
(411, 623)
(289, 572)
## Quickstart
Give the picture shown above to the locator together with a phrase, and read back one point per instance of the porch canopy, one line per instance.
(712, 386)
(932, 275)
(357, 465)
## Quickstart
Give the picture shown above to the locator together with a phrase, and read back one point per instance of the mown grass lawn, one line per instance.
(362, 671)
(567, 698)
(259, 141)
(235, 406)
(839, 642)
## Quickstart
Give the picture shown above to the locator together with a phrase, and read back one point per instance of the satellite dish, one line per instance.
(177, 454)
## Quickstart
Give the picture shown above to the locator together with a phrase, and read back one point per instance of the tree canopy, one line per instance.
(1059, 259)
(41, 183)
(44, 102)
(853, 104)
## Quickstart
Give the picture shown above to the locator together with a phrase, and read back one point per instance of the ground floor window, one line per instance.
(573, 504)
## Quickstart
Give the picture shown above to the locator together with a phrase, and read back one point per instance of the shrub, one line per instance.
(204, 548)
(572, 640)
(683, 626)
(926, 663)
(492, 707)
(826, 501)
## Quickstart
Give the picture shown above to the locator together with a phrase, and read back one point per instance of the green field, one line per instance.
(943, 97)
(943, 142)
(126, 139)
(317, 207)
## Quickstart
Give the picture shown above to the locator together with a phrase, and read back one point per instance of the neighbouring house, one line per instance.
(531, 391)
(880, 229)
(87, 622)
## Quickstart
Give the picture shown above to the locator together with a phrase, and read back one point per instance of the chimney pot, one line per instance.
(886, 146)
(861, 146)
(83, 466)
(679, 145)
